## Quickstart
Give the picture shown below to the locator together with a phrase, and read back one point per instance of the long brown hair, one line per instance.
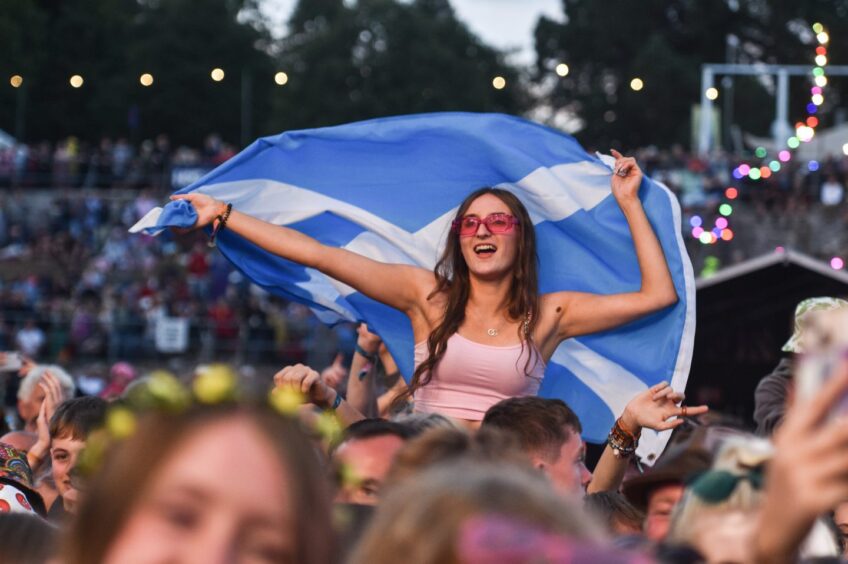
(453, 279)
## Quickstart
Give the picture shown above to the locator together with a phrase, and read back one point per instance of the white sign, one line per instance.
(172, 334)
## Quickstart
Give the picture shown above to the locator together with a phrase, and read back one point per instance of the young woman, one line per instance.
(210, 484)
(483, 330)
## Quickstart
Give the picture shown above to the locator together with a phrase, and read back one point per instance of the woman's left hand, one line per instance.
(654, 409)
(626, 178)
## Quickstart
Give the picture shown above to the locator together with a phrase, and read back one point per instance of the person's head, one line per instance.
(613, 510)
(840, 519)
(549, 432)
(811, 330)
(30, 394)
(500, 247)
(363, 458)
(420, 423)
(70, 426)
(441, 446)
(492, 236)
(425, 519)
(17, 491)
(719, 509)
(26, 538)
(660, 488)
(208, 484)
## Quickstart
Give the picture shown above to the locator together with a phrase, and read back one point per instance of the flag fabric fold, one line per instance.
(388, 189)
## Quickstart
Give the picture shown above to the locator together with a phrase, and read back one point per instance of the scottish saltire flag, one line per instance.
(388, 189)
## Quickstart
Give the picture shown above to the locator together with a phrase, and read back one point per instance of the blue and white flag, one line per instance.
(388, 189)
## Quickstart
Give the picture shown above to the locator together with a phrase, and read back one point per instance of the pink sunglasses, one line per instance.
(496, 223)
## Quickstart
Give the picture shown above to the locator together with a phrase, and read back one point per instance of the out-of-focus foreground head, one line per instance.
(437, 516)
(207, 483)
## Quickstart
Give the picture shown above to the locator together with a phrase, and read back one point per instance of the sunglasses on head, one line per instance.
(495, 223)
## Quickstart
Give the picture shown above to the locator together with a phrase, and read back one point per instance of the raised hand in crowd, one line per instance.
(311, 384)
(808, 474)
(659, 408)
(53, 396)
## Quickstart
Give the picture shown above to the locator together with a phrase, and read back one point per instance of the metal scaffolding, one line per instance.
(782, 130)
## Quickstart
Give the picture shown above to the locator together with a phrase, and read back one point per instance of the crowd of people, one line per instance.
(111, 163)
(199, 468)
(337, 457)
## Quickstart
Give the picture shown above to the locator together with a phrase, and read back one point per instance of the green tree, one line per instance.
(665, 42)
(384, 57)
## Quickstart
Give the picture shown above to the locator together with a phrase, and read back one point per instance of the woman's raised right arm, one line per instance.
(397, 285)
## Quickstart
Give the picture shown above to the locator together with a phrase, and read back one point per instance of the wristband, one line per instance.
(337, 402)
(222, 222)
(370, 356)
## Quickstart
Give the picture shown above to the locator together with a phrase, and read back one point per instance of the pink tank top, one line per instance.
(471, 377)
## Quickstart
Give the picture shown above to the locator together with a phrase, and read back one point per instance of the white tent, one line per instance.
(827, 142)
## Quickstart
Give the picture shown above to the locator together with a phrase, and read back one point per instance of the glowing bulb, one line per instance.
(816, 90)
(774, 166)
(725, 210)
(805, 133)
(823, 37)
(837, 263)
(817, 99)
(16, 81)
(146, 79)
(499, 82)
(793, 142)
(637, 84)
(727, 234)
(281, 78)
(562, 69)
(812, 121)
(711, 93)
(813, 166)
(721, 222)
(695, 221)
(76, 81)
(818, 28)
(744, 169)
(818, 71)
(765, 171)
(821, 81)
(706, 237)
(697, 232)
(761, 152)
(821, 60)
(731, 193)
(785, 155)
(754, 174)
(217, 74)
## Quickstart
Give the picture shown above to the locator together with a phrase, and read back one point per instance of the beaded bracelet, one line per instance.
(222, 222)
(622, 442)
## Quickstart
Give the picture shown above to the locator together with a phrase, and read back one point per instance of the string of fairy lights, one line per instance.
(771, 164)
(217, 75)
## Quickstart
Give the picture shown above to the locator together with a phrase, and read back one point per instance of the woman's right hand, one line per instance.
(208, 208)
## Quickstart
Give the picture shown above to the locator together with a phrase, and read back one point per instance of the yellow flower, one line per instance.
(163, 389)
(286, 400)
(120, 422)
(328, 426)
(215, 384)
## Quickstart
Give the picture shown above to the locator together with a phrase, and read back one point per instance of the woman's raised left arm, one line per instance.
(581, 312)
